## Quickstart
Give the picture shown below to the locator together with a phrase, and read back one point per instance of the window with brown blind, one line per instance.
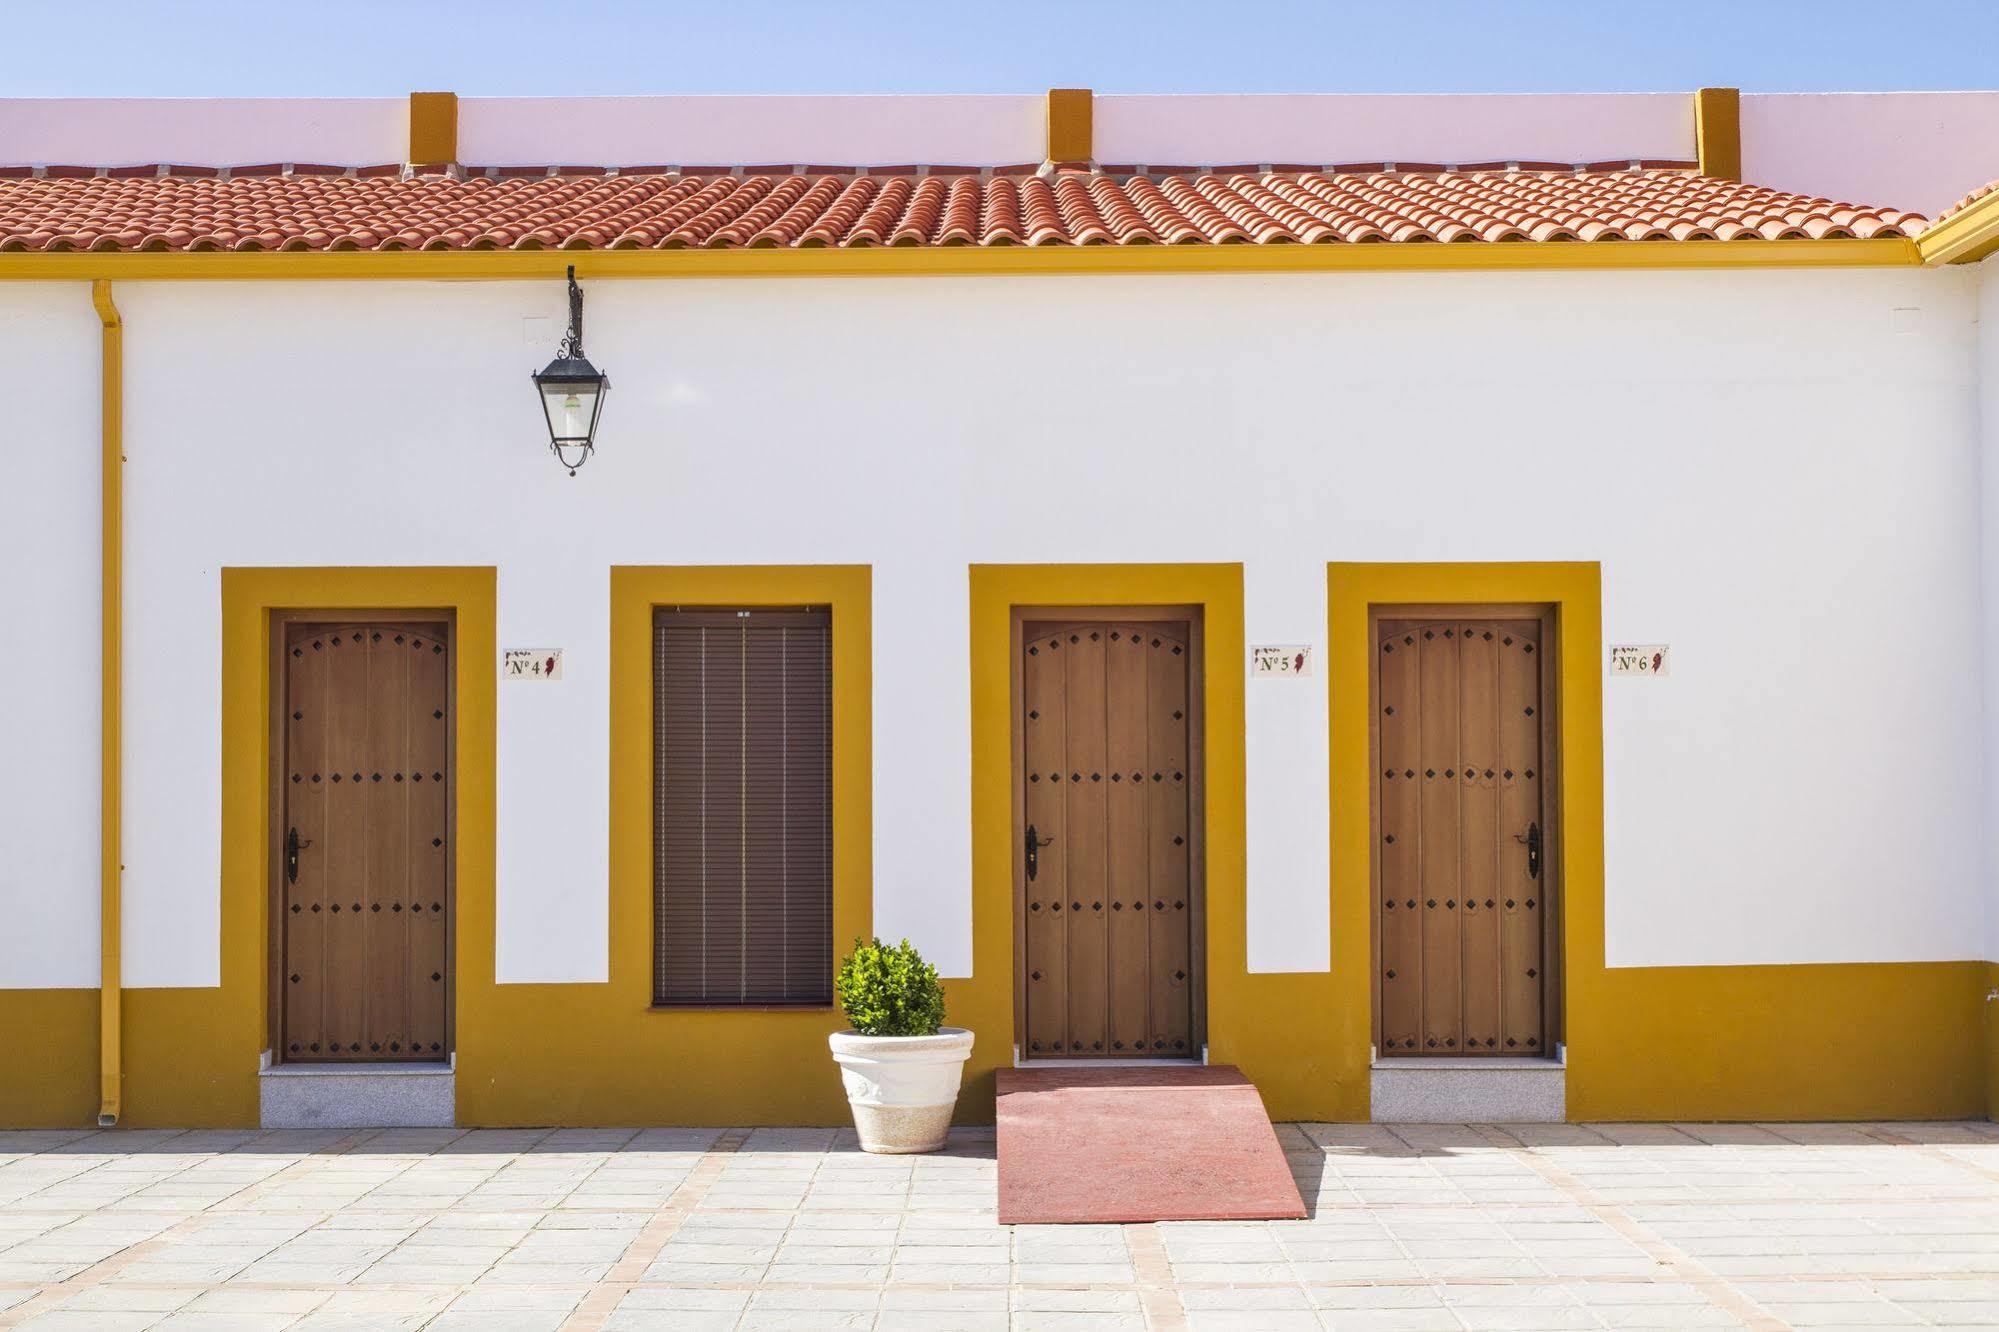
(743, 807)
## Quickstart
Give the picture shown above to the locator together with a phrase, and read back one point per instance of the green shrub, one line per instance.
(889, 990)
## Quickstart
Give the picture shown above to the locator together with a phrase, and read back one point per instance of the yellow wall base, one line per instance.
(48, 1058)
(1873, 1041)
(191, 1054)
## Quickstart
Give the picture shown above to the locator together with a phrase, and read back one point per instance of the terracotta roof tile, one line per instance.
(60, 209)
(1981, 192)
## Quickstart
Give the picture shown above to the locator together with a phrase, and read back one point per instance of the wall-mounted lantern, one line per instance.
(572, 391)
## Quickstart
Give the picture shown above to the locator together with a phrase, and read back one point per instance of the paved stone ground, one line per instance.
(1631, 1226)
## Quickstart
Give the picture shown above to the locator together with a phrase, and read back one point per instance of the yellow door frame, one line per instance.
(1352, 591)
(985, 1001)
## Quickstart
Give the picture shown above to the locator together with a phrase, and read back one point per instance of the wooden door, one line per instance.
(1464, 888)
(1107, 777)
(363, 835)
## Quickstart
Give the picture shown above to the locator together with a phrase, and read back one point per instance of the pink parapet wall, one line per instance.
(1915, 151)
(1317, 129)
(1921, 151)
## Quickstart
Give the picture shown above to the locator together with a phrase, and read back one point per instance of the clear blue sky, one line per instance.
(369, 48)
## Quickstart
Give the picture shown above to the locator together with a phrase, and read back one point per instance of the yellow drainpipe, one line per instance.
(110, 1047)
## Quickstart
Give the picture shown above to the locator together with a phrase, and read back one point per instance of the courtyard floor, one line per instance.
(1562, 1226)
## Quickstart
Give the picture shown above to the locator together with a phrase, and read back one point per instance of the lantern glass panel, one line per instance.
(571, 407)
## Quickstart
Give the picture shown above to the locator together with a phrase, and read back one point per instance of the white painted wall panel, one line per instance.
(1314, 129)
(923, 725)
(1921, 151)
(1284, 601)
(203, 131)
(1985, 353)
(885, 130)
(552, 897)
(1784, 505)
(49, 659)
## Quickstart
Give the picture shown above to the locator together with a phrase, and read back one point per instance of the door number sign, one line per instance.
(1651, 659)
(1280, 661)
(531, 664)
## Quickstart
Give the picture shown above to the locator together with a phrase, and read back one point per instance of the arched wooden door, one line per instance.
(1464, 879)
(363, 840)
(1108, 835)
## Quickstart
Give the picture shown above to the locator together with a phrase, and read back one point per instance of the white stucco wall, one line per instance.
(1777, 470)
(50, 558)
(1986, 353)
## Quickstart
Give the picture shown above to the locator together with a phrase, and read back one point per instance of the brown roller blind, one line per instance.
(743, 818)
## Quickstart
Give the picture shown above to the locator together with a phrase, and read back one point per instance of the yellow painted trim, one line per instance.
(1718, 132)
(111, 781)
(1966, 236)
(1283, 1057)
(1702, 1042)
(1071, 125)
(433, 128)
(48, 1047)
(1350, 590)
(892, 261)
(599, 1053)
(192, 1054)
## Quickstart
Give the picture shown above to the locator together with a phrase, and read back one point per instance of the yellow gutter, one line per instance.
(964, 260)
(110, 1039)
(1964, 237)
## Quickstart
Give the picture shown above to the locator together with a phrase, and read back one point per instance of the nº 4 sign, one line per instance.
(531, 664)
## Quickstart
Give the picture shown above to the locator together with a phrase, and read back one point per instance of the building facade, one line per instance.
(1147, 589)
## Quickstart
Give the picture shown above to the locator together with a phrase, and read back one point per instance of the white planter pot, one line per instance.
(902, 1088)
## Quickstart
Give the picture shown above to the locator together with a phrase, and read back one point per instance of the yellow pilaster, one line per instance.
(1718, 132)
(1070, 127)
(433, 128)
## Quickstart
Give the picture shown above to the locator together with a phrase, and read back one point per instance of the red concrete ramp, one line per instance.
(1138, 1144)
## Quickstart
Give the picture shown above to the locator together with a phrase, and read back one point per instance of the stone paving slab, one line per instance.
(1453, 1227)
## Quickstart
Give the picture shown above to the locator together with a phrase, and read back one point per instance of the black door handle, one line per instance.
(292, 847)
(1533, 850)
(1034, 845)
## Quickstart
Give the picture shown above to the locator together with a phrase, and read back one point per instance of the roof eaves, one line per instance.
(885, 260)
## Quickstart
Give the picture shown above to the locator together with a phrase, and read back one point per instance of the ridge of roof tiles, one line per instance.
(1976, 195)
(165, 209)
